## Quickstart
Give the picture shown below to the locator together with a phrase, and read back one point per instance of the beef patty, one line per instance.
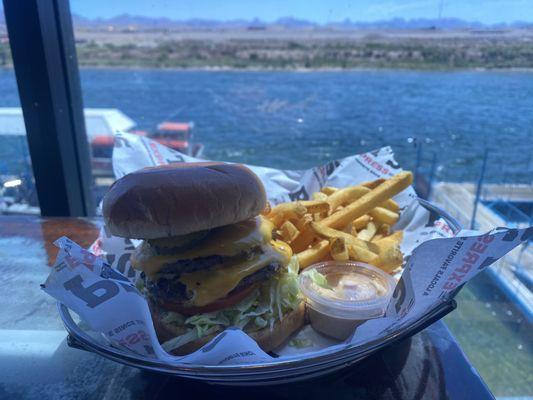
(168, 288)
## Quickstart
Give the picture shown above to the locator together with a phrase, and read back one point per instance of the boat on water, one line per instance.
(178, 136)
(17, 191)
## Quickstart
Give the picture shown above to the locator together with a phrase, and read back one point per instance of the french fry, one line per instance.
(288, 231)
(345, 196)
(319, 196)
(369, 200)
(328, 190)
(285, 208)
(267, 209)
(338, 249)
(382, 215)
(364, 213)
(330, 233)
(395, 237)
(319, 216)
(352, 193)
(315, 206)
(313, 255)
(384, 230)
(390, 205)
(368, 233)
(360, 254)
(303, 240)
(390, 255)
(303, 222)
(360, 223)
(288, 209)
(305, 234)
(398, 235)
(285, 211)
(377, 237)
(373, 184)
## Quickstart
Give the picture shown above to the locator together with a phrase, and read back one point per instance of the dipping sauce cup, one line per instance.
(341, 295)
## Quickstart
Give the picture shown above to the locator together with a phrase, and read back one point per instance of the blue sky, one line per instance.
(486, 11)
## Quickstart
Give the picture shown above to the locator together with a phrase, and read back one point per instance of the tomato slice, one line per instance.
(219, 304)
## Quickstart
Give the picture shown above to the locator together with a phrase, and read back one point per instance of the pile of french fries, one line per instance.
(353, 223)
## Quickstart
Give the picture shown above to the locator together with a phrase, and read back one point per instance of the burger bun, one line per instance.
(182, 198)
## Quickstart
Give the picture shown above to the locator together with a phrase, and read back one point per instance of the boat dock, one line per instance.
(516, 193)
(491, 206)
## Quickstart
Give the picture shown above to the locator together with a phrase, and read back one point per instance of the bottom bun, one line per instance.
(267, 339)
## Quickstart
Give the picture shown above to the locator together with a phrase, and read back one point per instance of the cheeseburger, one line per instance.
(207, 259)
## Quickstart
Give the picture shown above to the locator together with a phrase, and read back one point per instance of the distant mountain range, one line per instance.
(125, 21)
(140, 22)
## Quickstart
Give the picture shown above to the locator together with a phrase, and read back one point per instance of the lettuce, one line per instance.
(318, 279)
(260, 322)
(300, 343)
(139, 284)
(263, 307)
(190, 336)
(287, 296)
(172, 318)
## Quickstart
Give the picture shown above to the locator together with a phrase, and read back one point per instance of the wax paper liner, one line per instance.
(97, 283)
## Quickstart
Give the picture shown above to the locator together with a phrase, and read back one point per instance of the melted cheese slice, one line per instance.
(225, 241)
(215, 283)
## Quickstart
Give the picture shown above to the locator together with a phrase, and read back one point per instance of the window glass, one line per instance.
(296, 84)
(17, 185)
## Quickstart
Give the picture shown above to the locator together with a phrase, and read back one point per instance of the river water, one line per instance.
(300, 119)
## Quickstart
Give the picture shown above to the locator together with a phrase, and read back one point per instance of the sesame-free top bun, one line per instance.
(182, 198)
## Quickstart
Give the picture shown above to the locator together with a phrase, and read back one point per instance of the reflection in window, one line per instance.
(17, 184)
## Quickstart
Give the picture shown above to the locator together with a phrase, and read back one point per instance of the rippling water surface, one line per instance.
(297, 120)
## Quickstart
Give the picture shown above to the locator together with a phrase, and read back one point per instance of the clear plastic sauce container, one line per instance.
(341, 295)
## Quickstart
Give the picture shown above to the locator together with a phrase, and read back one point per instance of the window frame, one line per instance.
(46, 68)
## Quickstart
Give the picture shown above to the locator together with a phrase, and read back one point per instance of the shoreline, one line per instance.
(301, 52)
(309, 70)
(295, 70)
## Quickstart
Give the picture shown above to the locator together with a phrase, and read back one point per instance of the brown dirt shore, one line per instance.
(303, 50)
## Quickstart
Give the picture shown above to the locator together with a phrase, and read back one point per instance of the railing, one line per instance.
(424, 171)
(485, 206)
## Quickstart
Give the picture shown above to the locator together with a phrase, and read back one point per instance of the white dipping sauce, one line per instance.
(346, 295)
